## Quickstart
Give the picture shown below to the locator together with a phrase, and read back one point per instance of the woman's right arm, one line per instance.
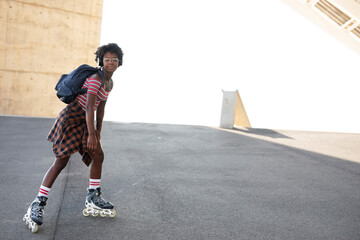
(93, 88)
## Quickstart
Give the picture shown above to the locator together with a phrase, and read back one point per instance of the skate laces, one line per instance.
(38, 206)
(37, 209)
(98, 200)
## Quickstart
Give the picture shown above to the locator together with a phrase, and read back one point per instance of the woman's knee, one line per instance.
(60, 163)
(98, 157)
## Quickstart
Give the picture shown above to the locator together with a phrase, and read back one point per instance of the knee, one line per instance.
(60, 163)
(99, 157)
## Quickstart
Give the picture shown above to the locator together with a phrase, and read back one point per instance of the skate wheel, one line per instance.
(102, 214)
(35, 229)
(85, 212)
(94, 214)
(113, 213)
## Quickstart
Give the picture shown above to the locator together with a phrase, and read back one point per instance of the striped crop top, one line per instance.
(94, 87)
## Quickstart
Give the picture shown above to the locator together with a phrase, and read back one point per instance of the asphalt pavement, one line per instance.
(184, 182)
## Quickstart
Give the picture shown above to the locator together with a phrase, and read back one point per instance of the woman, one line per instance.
(75, 131)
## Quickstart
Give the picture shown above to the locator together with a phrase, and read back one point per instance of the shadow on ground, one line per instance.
(262, 132)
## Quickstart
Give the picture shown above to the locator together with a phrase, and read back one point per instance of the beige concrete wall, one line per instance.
(40, 40)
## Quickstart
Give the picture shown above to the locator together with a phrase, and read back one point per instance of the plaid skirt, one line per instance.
(69, 133)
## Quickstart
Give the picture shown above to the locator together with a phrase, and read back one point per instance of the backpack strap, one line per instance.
(101, 73)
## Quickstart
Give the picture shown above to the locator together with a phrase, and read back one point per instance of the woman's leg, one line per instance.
(54, 171)
(34, 215)
(97, 161)
(94, 202)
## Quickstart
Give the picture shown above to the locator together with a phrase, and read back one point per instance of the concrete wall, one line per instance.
(233, 113)
(39, 41)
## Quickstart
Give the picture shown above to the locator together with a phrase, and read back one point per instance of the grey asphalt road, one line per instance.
(181, 182)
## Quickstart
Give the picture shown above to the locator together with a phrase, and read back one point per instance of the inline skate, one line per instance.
(96, 205)
(34, 215)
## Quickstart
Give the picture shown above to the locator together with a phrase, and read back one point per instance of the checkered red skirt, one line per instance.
(69, 133)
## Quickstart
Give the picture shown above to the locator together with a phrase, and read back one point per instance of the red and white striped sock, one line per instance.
(94, 183)
(43, 191)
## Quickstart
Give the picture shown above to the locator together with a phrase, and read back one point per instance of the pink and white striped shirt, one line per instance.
(93, 86)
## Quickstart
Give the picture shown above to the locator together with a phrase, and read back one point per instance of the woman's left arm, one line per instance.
(99, 117)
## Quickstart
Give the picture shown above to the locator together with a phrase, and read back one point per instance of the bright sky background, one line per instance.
(179, 55)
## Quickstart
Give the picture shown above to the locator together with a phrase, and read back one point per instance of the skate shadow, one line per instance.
(262, 132)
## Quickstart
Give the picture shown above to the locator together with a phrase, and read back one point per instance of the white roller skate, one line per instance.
(96, 205)
(34, 215)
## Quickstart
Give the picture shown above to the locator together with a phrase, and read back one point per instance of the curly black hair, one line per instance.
(111, 47)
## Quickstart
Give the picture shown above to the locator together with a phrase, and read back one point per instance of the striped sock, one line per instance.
(43, 191)
(94, 183)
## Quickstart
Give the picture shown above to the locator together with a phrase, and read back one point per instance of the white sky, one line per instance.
(179, 55)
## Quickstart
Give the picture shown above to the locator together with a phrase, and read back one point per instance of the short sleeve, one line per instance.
(93, 86)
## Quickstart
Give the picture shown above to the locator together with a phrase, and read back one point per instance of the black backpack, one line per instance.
(70, 85)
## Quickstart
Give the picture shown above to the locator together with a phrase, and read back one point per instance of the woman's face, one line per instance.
(111, 62)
